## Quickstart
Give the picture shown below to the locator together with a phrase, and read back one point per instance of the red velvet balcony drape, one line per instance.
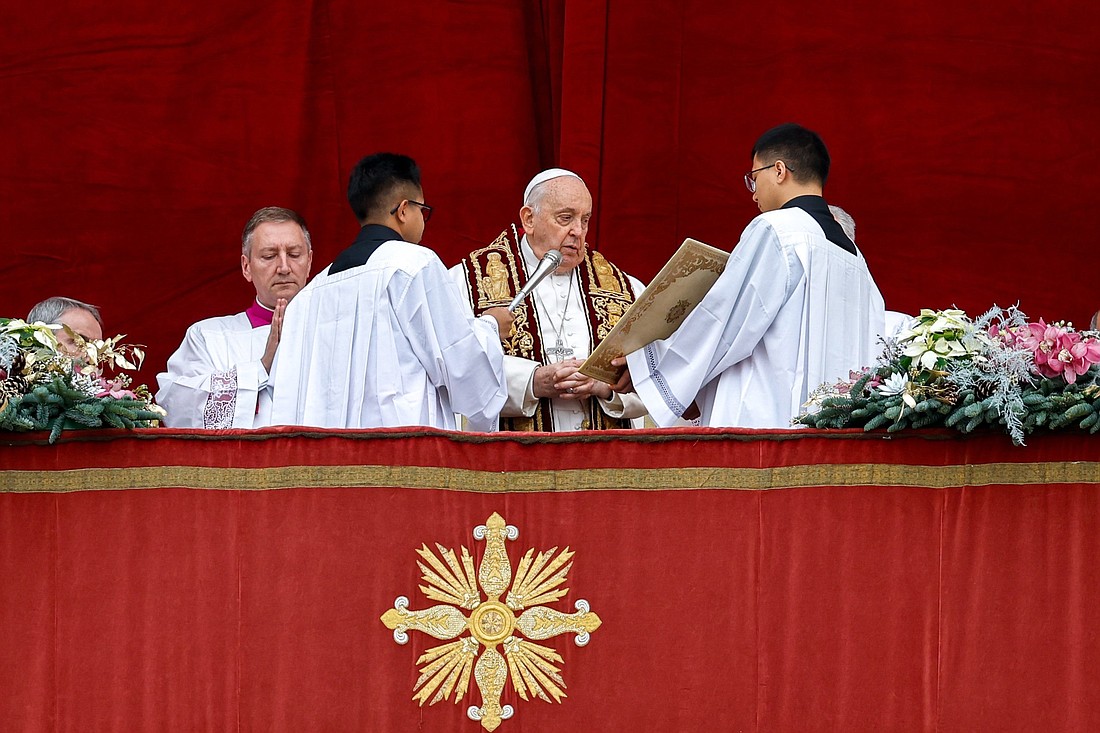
(746, 581)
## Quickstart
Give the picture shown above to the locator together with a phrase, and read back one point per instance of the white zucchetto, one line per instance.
(547, 175)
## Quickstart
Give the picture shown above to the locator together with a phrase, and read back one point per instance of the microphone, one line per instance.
(547, 265)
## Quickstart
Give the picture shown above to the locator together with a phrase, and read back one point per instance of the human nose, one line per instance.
(283, 264)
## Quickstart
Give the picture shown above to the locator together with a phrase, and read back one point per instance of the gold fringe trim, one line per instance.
(599, 479)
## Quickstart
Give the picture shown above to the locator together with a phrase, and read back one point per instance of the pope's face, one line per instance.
(83, 323)
(278, 265)
(560, 221)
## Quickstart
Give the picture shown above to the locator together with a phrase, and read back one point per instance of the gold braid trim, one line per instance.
(566, 480)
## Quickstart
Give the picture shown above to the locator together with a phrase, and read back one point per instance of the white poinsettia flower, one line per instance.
(928, 359)
(916, 348)
(941, 324)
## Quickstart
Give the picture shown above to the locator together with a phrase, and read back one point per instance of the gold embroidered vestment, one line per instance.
(495, 273)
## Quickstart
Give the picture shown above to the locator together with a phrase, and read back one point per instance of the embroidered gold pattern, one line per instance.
(494, 272)
(532, 667)
(610, 310)
(605, 275)
(520, 341)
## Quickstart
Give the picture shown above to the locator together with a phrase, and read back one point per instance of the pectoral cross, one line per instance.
(559, 351)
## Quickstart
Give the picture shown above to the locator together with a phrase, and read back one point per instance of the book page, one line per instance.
(661, 307)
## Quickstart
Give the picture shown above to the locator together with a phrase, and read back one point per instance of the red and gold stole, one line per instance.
(495, 273)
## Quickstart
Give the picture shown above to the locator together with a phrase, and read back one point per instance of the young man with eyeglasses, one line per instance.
(794, 308)
(380, 338)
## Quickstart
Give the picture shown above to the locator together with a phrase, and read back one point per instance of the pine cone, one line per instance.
(14, 387)
(947, 394)
(984, 388)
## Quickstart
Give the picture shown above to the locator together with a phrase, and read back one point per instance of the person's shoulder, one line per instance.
(236, 322)
(793, 219)
(787, 227)
(408, 257)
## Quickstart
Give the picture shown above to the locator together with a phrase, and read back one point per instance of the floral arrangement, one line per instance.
(44, 388)
(948, 370)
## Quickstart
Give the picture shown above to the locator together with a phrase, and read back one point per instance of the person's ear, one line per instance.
(246, 269)
(526, 217)
(402, 211)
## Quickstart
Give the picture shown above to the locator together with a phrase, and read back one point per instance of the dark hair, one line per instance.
(376, 179)
(271, 215)
(802, 150)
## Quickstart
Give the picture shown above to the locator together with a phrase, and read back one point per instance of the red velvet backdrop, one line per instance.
(138, 140)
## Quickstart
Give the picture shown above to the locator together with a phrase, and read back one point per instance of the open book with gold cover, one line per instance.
(661, 307)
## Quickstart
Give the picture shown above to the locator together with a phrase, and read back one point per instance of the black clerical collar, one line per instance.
(818, 208)
(370, 238)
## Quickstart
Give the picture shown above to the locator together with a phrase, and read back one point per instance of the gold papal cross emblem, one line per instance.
(491, 623)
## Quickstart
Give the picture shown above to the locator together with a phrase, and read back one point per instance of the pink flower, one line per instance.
(1064, 354)
(1007, 337)
(114, 389)
(1045, 343)
(1079, 357)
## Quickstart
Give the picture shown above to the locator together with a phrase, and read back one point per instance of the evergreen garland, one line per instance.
(55, 406)
(42, 388)
(1047, 405)
(990, 379)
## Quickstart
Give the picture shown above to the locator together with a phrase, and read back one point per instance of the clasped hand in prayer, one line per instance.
(561, 380)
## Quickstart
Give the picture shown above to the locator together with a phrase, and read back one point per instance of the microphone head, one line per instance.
(547, 265)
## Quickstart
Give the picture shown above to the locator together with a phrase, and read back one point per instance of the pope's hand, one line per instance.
(562, 380)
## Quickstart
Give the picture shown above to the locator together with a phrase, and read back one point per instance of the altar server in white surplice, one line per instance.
(218, 375)
(380, 338)
(562, 320)
(795, 306)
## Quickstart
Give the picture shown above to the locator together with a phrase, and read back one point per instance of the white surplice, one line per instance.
(215, 378)
(791, 311)
(560, 305)
(386, 344)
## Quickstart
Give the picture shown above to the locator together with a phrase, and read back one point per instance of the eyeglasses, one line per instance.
(750, 182)
(424, 209)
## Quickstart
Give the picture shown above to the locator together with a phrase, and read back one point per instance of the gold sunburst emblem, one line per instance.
(491, 623)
